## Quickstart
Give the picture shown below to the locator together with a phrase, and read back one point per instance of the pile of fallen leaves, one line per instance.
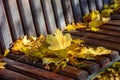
(95, 19)
(56, 49)
(111, 73)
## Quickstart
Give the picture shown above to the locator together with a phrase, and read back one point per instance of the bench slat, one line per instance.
(92, 5)
(115, 17)
(13, 18)
(6, 74)
(76, 10)
(38, 17)
(77, 74)
(84, 6)
(26, 17)
(111, 27)
(58, 12)
(33, 71)
(68, 13)
(96, 42)
(99, 4)
(5, 36)
(49, 15)
(99, 36)
(106, 2)
(107, 32)
(114, 22)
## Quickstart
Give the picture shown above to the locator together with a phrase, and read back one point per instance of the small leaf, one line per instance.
(2, 64)
(6, 52)
(70, 27)
(48, 61)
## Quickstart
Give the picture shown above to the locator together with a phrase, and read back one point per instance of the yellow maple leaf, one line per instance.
(89, 52)
(58, 41)
(95, 15)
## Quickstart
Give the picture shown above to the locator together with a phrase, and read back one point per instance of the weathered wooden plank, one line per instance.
(77, 74)
(114, 22)
(5, 35)
(66, 72)
(49, 15)
(112, 33)
(84, 6)
(114, 55)
(13, 18)
(26, 16)
(111, 27)
(32, 71)
(58, 12)
(106, 2)
(67, 9)
(99, 4)
(24, 59)
(98, 36)
(92, 5)
(89, 66)
(97, 42)
(111, 1)
(106, 44)
(102, 61)
(76, 10)
(6, 74)
(115, 16)
(38, 17)
(105, 32)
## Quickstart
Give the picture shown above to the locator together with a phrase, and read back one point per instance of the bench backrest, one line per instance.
(35, 17)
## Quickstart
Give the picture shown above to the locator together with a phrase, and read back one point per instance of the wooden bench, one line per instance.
(32, 18)
(35, 17)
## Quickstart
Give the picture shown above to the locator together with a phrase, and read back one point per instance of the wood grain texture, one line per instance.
(32, 71)
(92, 5)
(68, 13)
(106, 2)
(5, 35)
(6, 74)
(99, 4)
(108, 36)
(26, 16)
(38, 17)
(49, 15)
(13, 18)
(58, 12)
(76, 10)
(84, 6)
(115, 16)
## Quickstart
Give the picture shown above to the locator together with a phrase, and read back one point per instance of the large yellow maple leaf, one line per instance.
(58, 41)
